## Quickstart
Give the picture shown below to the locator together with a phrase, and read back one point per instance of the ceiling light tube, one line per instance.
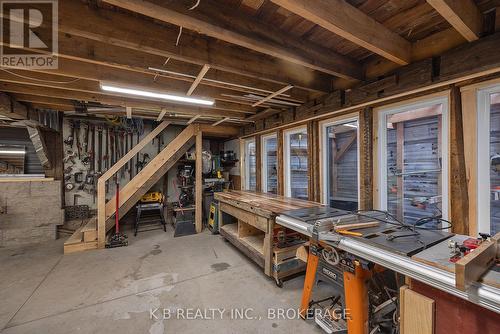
(168, 97)
(12, 152)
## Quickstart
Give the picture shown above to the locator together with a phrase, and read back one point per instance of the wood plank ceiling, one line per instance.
(253, 57)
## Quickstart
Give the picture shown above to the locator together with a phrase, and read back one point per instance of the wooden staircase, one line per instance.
(150, 175)
(93, 234)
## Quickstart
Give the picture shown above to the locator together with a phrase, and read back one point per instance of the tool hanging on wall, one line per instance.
(106, 149)
(140, 164)
(99, 149)
(126, 150)
(111, 134)
(137, 157)
(117, 147)
(71, 139)
(86, 139)
(122, 152)
(92, 152)
(131, 168)
(77, 136)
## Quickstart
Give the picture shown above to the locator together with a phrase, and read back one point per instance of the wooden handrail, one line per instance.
(146, 140)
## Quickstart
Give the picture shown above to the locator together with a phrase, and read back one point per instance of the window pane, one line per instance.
(298, 165)
(495, 163)
(342, 165)
(414, 165)
(251, 166)
(271, 164)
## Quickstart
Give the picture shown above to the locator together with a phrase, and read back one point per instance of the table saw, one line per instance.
(390, 245)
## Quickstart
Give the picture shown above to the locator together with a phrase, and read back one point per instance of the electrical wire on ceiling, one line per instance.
(195, 5)
(40, 80)
(179, 36)
(168, 59)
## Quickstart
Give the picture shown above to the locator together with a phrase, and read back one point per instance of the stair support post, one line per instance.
(199, 182)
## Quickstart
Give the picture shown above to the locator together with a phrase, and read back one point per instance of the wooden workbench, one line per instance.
(256, 213)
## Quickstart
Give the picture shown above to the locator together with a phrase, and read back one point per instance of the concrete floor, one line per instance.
(115, 290)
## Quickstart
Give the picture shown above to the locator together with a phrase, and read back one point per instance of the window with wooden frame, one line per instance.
(413, 160)
(296, 168)
(488, 162)
(340, 157)
(250, 165)
(270, 164)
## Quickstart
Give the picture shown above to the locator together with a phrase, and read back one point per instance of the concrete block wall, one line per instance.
(32, 210)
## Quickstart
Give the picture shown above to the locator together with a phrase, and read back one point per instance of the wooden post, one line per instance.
(459, 200)
(400, 141)
(258, 163)
(101, 213)
(199, 182)
(366, 157)
(281, 161)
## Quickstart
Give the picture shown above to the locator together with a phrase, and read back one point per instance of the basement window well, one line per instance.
(413, 156)
(488, 162)
(270, 164)
(296, 163)
(340, 164)
(250, 165)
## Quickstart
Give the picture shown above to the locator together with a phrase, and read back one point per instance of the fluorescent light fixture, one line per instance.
(154, 95)
(351, 125)
(12, 152)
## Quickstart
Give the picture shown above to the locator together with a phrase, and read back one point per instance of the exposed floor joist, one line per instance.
(87, 87)
(221, 121)
(301, 53)
(198, 79)
(273, 95)
(463, 15)
(113, 100)
(194, 118)
(162, 114)
(341, 18)
(122, 30)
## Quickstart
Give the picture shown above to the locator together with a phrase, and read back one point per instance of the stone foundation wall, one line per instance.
(30, 211)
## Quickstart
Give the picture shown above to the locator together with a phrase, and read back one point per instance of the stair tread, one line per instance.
(91, 225)
(75, 238)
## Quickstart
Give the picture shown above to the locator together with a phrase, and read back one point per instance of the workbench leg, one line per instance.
(312, 267)
(356, 300)
(268, 249)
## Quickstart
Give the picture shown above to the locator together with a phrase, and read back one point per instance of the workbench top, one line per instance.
(263, 204)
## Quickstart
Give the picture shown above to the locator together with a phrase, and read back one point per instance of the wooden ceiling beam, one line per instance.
(263, 114)
(85, 77)
(246, 34)
(10, 108)
(127, 31)
(87, 50)
(272, 96)
(347, 21)
(225, 119)
(162, 114)
(431, 46)
(198, 79)
(194, 118)
(35, 99)
(463, 15)
(61, 93)
(58, 107)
